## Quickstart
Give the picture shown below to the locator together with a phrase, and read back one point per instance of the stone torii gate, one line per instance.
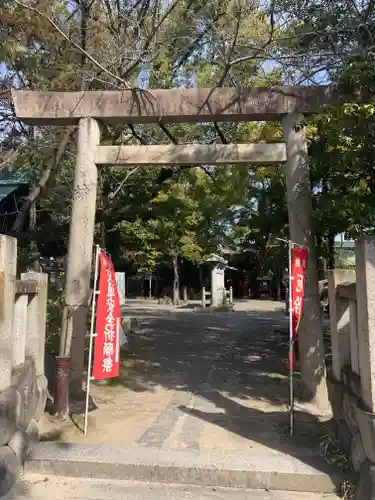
(90, 108)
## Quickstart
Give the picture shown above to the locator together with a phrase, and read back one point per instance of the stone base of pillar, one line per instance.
(9, 413)
(10, 467)
(366, 485)
(42, 391)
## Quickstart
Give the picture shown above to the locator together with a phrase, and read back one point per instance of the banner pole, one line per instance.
(291, 344)
(92, 326)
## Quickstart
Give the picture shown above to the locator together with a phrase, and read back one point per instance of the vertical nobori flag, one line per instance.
(298, 275)
(107, 338)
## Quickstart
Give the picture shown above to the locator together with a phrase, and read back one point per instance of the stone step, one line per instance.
(274, 471)
(39, 487)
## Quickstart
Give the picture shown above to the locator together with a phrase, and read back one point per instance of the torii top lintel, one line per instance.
(180, 105)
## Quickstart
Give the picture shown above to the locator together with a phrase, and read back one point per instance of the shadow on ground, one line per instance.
(181, 350)
(234, 361)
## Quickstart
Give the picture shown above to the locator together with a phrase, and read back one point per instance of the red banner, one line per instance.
(298, 275)
(107, 340)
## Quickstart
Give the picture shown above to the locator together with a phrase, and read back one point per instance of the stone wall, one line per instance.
(351, 377)
(23, 385)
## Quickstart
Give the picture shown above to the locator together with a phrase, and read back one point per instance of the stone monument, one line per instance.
(121, 287)
(218, 266)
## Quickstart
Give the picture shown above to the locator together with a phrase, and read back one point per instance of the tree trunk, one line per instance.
(278, 278)
(279, 297)
(331, 251)
(310, 334)
(320, 263)
(176, 281)
(45, 175)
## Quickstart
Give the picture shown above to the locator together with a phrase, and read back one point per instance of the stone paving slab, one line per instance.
(273, 472)
(37, 487)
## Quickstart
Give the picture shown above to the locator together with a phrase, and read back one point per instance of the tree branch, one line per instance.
(168, 133)
(44, 178)
(220, 133)
(149, 39)
(80, 49)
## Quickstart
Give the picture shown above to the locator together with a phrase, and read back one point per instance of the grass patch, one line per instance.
(332, 451)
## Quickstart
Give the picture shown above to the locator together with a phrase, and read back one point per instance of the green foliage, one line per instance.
(138, 244)
(330, 42)
(146, 215)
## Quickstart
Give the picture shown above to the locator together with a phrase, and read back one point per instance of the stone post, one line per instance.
(217, 284)
(216, 297)
(8, 269)
(120, 282)
(203, 296)
(339, 317)
(36, 320)
(354, 336)
(36, 335)
(230, 295)
(365, 271)
(80, 253)
(310, 334)
(185, 292)
(20, 329)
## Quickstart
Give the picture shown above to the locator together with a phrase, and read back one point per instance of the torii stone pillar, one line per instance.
(300, 222)
(81, 241)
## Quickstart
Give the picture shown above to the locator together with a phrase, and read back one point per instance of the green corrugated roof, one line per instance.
(10, 176)
(7, 188)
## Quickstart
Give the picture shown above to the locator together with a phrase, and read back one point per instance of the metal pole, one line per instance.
(92, 335)
(291, 343)
(291, 244)
(118, 326)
